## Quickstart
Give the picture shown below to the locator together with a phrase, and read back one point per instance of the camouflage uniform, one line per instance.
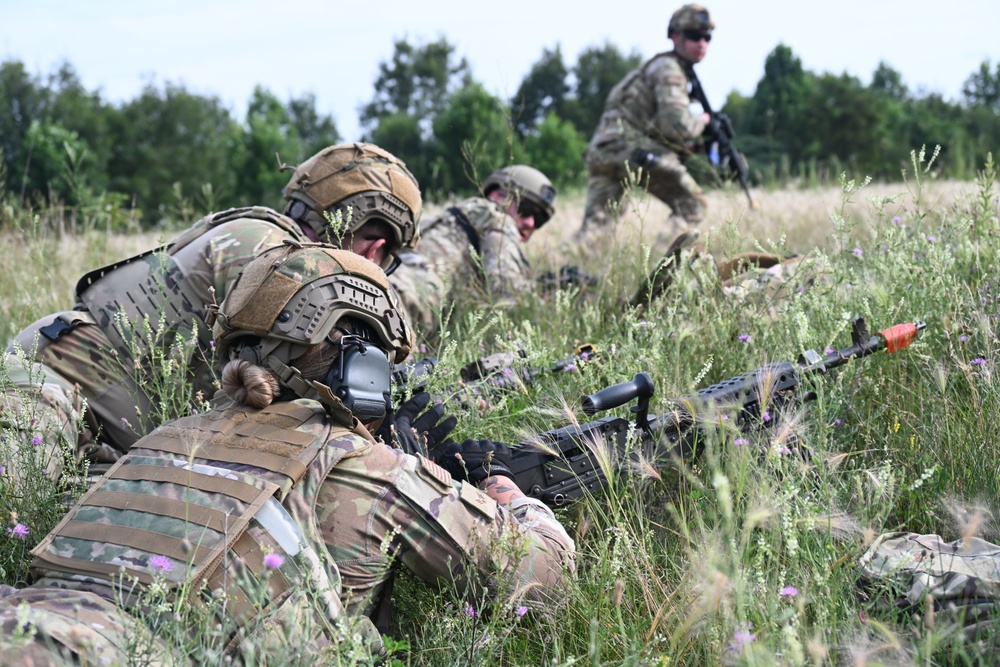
(960, 578)
(215, 481)
(89, 349)
(647, 111)
(470, 252)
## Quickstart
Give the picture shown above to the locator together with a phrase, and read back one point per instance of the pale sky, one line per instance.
(332, 49)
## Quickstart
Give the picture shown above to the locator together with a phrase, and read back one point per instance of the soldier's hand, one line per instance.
(413, 432)
(475, 460)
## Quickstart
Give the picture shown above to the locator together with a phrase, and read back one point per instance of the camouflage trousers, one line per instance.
(959, 580)
(57, 627)
(667, 179)
(70, 358)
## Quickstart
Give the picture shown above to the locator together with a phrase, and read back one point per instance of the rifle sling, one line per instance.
(466, 226)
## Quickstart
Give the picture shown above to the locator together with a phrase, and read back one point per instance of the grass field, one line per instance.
(747, 555)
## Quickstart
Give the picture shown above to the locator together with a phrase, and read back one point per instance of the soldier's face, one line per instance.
(525, 223)
(523, 216)
(692, 50)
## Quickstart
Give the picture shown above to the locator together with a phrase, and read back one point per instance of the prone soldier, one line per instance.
(474, 250)
(102, 352)
(278, 500)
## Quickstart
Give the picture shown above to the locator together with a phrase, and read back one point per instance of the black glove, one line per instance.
(404, 430)
(475, 460)
(643, 158)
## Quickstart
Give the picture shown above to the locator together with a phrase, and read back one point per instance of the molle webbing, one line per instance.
(149, 286)
(202, 560)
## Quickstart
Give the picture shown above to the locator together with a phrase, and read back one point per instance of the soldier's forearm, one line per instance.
(501, 489)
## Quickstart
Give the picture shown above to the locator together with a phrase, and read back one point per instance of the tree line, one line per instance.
(170, 149)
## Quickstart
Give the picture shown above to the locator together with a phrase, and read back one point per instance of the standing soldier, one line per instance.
(474, 250)
(647, 124)
(276, 512)
(144, 316)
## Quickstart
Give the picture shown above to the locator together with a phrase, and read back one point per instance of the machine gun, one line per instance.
(559, 466)
(720, 131)
(495, 372)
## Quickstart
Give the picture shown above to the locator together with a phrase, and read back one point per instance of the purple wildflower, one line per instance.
(858, 252)
(739, 442)
(161, 563)
(766, 416)
(570, 367)
(963, 338)
(521, 611)
(583, 357)
(784, 450)
(830, 350)
(789, 592)
(470, 611)
(20, 531)
(931, 238)
(3, 469)
(978, 361)
(211, 345)
(124, 423)
(36, 441)
(743, 338)
(897, 219)
(273, 561)
(837, 422)
(741, 639)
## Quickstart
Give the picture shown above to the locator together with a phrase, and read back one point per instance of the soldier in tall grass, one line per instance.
(275, 515)
(136, 347)
(473, 251)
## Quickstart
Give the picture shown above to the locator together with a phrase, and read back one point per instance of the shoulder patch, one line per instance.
(435, 473)
(478, 501)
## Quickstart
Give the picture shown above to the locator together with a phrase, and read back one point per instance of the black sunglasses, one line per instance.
(697, 35)
(526, 209)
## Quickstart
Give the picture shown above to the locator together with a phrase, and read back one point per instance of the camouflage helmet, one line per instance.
(690, 17)
(361, 182)
(289, 298)
(527, 184)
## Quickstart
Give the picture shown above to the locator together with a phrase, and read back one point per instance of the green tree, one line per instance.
(779, 107)
(472, 137)
(22, 100)
(982, 88)
(417, 81)
(556, 148)
(542, 92)
(402, 136)
(315, 131)
(171, 136)
(889, 82)
(597, 71)
(270, 137)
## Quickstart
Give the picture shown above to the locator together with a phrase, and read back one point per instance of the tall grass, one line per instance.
(747, 555)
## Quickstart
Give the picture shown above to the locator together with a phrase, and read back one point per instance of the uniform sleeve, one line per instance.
(504, 264)
(673, 119)
(385, 507)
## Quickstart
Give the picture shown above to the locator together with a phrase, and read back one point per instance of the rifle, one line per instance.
(495, 372)
(560, 466)
(720, 130)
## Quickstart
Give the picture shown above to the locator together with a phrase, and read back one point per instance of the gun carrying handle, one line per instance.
(616, 395)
